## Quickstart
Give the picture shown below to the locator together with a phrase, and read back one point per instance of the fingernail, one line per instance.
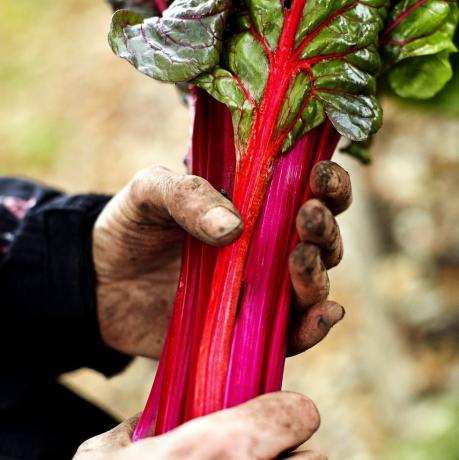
(220, 222)
(333, 315)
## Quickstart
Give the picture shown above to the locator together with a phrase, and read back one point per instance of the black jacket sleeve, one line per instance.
(48, 317)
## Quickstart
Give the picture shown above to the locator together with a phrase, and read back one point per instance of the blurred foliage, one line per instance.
(20, 13)
(441, 442)
(37, 141)
(447, 100)
(30, 138)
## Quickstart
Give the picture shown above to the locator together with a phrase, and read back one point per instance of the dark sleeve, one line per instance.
(48, 317)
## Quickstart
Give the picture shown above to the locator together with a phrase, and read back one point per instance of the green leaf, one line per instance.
(437, 440)
(222, 85)
(447, 100)
(422, 77)
(356, 117)
(359, 150)
(416, 44)
(245, 57)
(177, 47)
(265, 15)
(289, 68)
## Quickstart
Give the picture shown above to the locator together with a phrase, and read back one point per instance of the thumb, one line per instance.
(108, 442)
(158, 195)
(261, 428)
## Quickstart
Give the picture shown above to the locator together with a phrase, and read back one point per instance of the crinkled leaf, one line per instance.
(295, 66)
(416, 44)
(176, 47)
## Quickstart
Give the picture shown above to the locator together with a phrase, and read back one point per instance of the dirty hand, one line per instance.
(137, 245)
(260, 429)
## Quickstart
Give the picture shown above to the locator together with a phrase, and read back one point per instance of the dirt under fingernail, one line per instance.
(220, 222)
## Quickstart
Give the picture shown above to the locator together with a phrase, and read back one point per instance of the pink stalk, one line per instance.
(258, 342)
(146, 425)
(261, 326)
(267, 260)
(327, 139)
(212, 132)
(167, 405)
(160, 5)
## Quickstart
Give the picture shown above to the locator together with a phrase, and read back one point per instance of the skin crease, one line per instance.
(136, 248)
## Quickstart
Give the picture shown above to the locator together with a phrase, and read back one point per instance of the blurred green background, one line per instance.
(387, 379)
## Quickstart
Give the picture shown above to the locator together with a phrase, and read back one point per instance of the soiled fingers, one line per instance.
(309, 275)
(158, 195)
(321, 248)
(316, 224)
(331, 184)
(311, 327)
(108, 444)
(260, 429)
(314, 316)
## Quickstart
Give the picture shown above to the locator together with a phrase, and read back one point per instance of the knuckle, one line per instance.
(149, 175)
(138, 180)
(138, 184)
(305, 255)
(191, 183)
(88, 446)
(155, 170)
(146, 174)
(147, 184)
(305, 262)
(138, 196)
(332, 244)
(333, 253)
(312, 219)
